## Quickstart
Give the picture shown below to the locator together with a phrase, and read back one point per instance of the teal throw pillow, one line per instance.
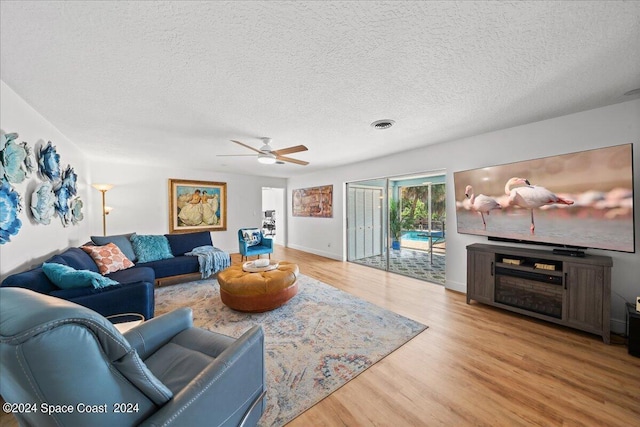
(151, 247)
(122, 241)
(66, 277)
(252, 236)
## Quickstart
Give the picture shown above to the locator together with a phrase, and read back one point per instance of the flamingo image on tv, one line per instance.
(522, 193)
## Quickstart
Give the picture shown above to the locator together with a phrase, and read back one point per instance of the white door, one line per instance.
(364, 222)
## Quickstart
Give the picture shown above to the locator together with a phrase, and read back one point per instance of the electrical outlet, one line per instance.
(638, 304)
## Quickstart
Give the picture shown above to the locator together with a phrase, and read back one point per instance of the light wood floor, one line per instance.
(474, 365)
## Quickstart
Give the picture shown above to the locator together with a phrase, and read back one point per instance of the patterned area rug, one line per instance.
(321, 339)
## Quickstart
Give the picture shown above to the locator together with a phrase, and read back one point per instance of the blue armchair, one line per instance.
(251, 242)
(162, 372)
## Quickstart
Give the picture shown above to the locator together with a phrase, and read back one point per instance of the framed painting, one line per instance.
(313, 201)
(197, 206)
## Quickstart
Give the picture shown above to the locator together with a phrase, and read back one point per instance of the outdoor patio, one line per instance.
(413, 259)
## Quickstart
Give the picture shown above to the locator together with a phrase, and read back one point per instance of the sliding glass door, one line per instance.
(398, 224)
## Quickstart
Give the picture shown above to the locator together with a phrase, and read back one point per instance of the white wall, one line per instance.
(140, 199)
(36, 242)
(616, 124)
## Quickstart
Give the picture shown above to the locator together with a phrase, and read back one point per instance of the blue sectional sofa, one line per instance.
(135, 291)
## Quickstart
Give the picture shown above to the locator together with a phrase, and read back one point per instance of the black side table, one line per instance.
(633, 330)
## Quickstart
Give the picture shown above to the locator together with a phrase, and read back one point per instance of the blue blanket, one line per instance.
(211, 259)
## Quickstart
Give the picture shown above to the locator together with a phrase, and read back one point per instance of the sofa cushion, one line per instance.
(151, 247)
(136, 274)
(66, 277)
(252, 236)
(174, 266)
(123, 241)
(72, 293)
(33, 279)
(185, 242)
(176, 366)
(57, 259)
(108, 258)
(135, 297)
(78, 259)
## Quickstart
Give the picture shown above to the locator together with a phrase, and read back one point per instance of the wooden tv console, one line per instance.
(567, 290)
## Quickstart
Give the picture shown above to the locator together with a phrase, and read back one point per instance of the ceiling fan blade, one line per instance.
(290, 150)
(290, 160)
(245, 145)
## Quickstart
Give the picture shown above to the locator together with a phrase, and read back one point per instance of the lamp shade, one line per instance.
(102, 187)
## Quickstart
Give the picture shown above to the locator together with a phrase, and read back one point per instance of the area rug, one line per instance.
(321, 339)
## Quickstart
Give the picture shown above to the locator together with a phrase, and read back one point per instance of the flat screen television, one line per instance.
(578, 200)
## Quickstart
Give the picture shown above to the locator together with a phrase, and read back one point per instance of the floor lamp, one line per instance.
(103, 188)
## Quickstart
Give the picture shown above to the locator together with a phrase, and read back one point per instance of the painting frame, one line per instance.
(205, 203)
(315, 202)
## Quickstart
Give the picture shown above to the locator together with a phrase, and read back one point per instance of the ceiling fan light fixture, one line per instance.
(266, 158)
(382, 124)
(266, 155)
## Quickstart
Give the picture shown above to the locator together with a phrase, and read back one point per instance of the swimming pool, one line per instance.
(423, 235)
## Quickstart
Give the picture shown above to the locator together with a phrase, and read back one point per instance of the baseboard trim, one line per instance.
(316, 252)
(618, 326)
(456, 286)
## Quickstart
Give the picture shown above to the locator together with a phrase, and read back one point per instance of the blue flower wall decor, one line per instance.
(9, 207)
(69, 180)
(15, 159)
(62, 205)
(76, 210)
(49, 162)
(43, 203)
(57, 195)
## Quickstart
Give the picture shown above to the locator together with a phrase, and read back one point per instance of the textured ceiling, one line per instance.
(170, 83)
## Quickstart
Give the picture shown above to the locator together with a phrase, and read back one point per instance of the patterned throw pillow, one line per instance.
(252, 236)
(108, 258)
(123, 241)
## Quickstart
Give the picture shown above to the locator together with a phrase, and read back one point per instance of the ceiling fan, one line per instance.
(269, 156)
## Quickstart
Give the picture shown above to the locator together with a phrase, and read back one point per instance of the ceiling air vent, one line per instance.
(382, 124)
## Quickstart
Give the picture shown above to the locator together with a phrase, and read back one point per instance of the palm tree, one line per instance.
(413, 194)
(438, 198)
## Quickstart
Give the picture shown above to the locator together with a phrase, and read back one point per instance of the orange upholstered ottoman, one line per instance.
(257, 292)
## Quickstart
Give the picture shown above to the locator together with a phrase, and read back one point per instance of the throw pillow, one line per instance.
(252, 236)
(151, 247)
(123, 241)
(66, 277)
(108, 258)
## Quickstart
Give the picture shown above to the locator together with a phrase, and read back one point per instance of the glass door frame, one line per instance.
(391, 186)
(377, 184)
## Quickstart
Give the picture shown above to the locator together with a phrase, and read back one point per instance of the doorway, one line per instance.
(398, 224)
(273, 214)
